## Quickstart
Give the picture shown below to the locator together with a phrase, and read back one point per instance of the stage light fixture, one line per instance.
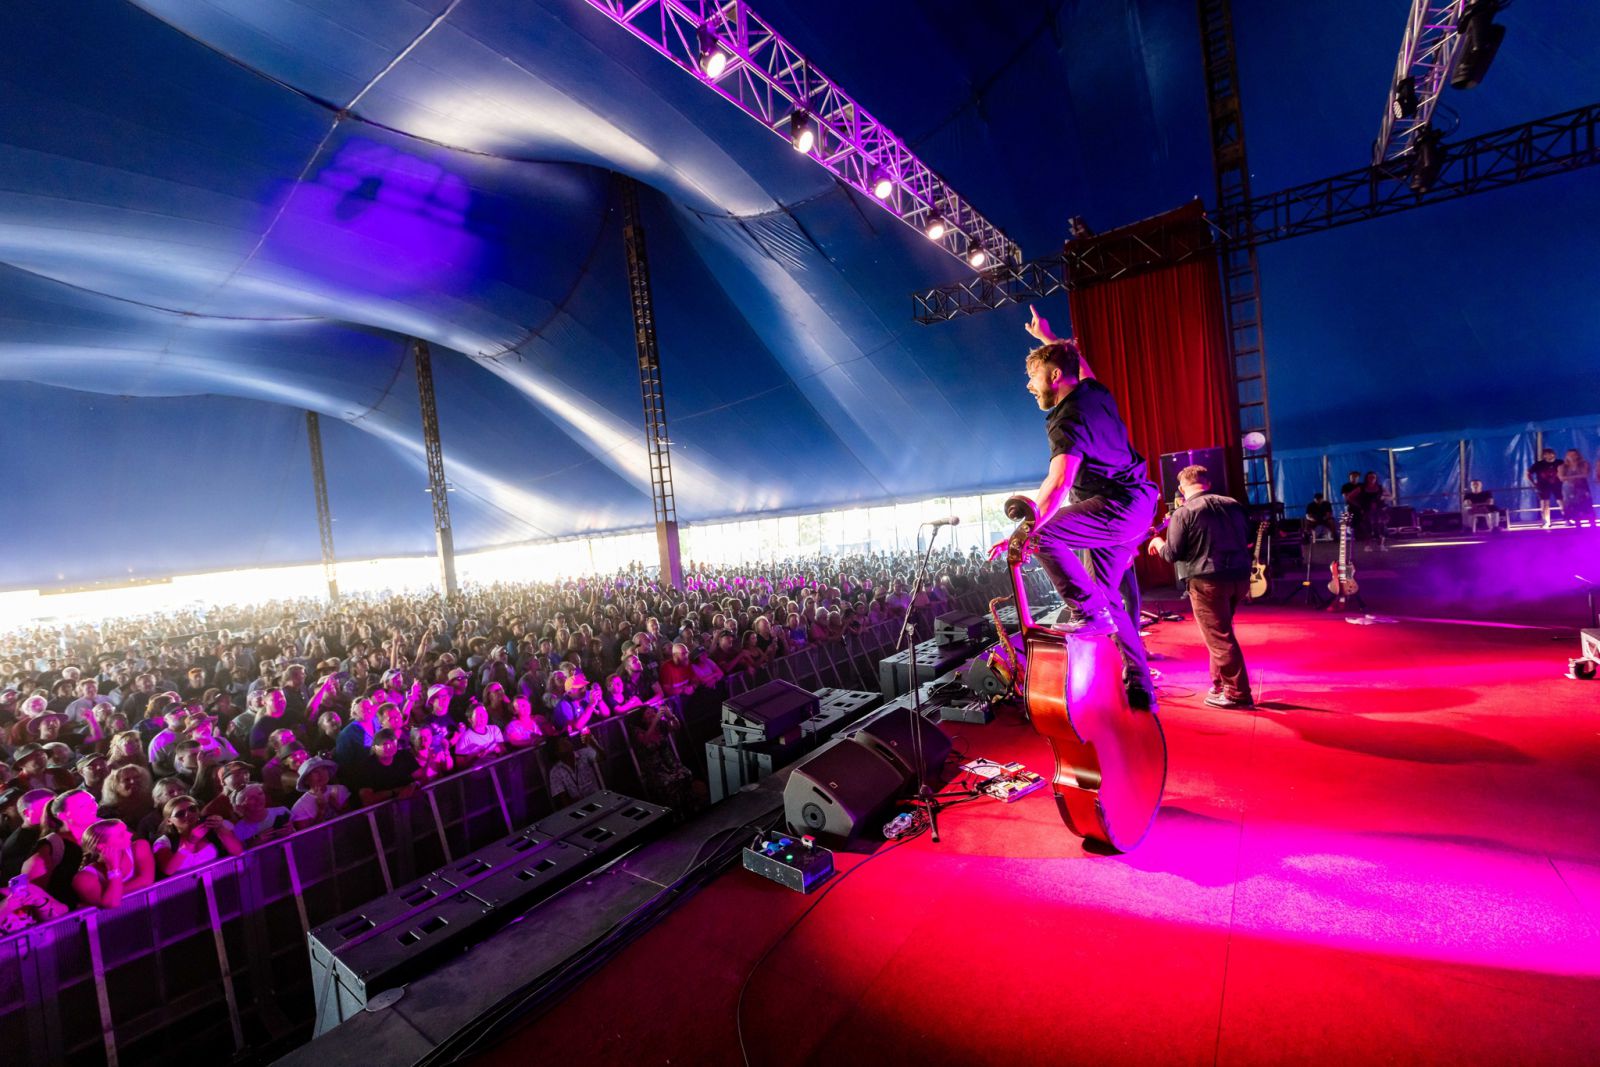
(714, 60)
(976, 256)
(1405, 98)
(1427, 158)
(1254, 441)
(935, 228)
(802, 134)
(882, 184)
(1480, 40)
(1078, 228)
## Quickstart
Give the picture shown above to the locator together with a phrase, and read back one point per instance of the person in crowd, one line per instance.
(575, 771)
(280, 775)
(228, 779)
(255, 819)
(389, 773)
(164, 790)
(92, 771)
(34, 808)
(1208, 540)
(477, 739)
(677, 676)
(126, 794)
(1319, 516)
(582, 703)
(59, 853)
(23, 904)
(189, 839)
(321, 797)
(1577, 503)
(1545, 477)
(497, 703)
(325, 737)
(273, 715)
(432, 752)
(665, 776)
(127, 748)
(114, 862)
(525, 729)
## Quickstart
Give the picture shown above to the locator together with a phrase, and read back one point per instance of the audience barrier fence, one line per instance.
(215, 961)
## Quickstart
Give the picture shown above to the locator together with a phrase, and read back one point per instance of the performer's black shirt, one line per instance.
(1483, 499)
(1209, 537)
(1087, 424)
(1546, 474)
(1318, 510)
(1346, 489)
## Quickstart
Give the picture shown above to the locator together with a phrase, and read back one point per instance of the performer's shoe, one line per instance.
(1223, 700)
(1141, 699)
(1086, 624)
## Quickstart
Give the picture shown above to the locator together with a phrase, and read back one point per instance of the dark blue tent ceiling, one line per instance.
(188, 212)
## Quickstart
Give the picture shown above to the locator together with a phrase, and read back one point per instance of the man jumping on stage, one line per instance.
(1110, 501)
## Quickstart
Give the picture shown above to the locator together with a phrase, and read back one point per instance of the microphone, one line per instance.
(948, 520)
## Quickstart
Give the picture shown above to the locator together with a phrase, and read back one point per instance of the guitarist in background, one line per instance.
(1208, 540)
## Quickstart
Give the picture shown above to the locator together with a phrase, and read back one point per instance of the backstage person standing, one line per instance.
(1209, 542)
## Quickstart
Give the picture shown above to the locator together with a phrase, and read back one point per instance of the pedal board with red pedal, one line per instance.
(1005, 782)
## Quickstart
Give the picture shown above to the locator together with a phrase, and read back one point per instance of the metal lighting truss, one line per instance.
(1426, 54)
(770, 81)
(1555, 144)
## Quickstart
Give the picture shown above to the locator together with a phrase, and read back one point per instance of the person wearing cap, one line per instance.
(29, 763)
(213, 749)
(230, 778)
(320, 797)
(93, 769)
(461, 700)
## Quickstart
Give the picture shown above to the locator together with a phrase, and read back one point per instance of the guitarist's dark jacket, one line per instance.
(1209, 537)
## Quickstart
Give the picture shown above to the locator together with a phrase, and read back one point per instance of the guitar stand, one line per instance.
(1338, 603)
(1308, 591)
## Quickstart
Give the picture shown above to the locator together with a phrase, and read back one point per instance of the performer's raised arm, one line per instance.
(1039, 330)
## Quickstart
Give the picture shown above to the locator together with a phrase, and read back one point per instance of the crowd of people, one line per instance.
(138, 749)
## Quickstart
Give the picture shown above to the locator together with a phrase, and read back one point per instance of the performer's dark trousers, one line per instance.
(1112, 533)
(1214, 603)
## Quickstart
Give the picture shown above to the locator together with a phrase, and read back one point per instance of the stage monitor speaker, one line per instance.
(890, 733)
(770, 712)
(839, 790)
(1214, 460)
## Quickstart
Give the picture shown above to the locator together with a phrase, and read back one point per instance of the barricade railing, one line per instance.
(214, 962)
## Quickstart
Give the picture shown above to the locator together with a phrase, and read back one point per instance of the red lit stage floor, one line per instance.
(1395, 858)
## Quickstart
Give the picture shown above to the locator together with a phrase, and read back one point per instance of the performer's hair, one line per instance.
(1062, 355)
(1194, 475)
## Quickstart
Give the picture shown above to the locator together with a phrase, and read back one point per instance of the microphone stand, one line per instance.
(908, 636)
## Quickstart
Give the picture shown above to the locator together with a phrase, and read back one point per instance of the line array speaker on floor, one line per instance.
(391, 940)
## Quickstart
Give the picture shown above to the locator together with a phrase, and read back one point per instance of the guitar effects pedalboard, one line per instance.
(796, 862)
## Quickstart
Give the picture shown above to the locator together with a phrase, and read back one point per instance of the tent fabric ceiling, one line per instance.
(217, 213)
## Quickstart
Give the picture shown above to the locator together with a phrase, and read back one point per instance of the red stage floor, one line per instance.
(1395, 858)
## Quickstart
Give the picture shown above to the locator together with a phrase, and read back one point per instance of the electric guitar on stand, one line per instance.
(1343, 584)
(1259, 583)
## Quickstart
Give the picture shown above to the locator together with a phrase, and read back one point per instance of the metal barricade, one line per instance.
(215, 961)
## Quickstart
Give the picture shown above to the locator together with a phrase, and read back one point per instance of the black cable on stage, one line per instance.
(738, 1008)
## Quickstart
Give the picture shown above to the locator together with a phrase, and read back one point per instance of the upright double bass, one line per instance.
(1111, 759)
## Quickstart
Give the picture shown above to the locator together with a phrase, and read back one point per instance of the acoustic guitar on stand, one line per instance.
(1259, 583)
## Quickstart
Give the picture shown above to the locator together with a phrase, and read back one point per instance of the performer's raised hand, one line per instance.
(1039, 328)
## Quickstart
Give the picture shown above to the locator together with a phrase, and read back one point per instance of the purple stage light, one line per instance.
(379, 219)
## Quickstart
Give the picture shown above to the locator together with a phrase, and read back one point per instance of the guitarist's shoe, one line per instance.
(1223, 700)
(1081, 623)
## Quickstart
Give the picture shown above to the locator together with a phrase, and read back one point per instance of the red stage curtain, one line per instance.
(1158, 340)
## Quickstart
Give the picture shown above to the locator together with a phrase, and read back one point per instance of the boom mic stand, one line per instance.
(908, 636)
